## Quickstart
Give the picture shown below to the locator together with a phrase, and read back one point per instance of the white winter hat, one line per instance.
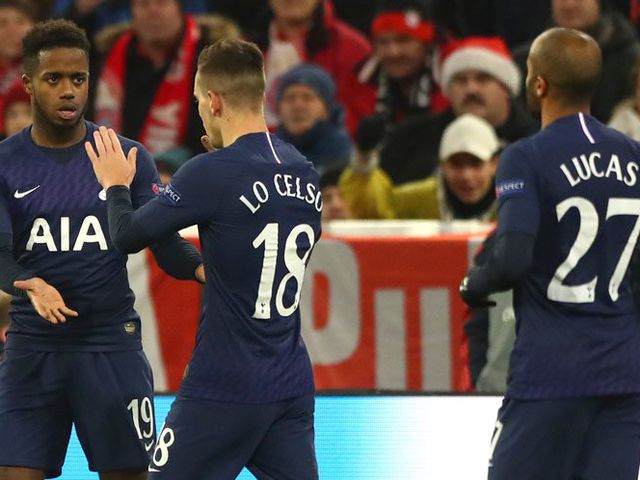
(469, 134)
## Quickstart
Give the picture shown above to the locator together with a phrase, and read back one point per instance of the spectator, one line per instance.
(401, 68)
(479, 77)
(16, 19)
(616, 38)
(94, 15)
(626, 115)
(16, 113)
(307, 31)
(311, 118)
(334, 206)
(145, 88)
(463, 189)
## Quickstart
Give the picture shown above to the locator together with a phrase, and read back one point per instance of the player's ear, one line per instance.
(26, 84)
(215, 103)
(542, 87)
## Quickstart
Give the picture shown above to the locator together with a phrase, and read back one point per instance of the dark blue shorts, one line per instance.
(207, 440)
(108, 396)
(590, 438)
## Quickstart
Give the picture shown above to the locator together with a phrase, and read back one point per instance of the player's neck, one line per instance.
(237, 126)
(551, 113)
(46, 135)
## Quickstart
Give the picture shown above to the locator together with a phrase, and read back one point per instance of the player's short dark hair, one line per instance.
(26, 7)
(571, 62)
(235, 70)
(49, 35)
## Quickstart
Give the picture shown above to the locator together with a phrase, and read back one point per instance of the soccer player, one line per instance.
(568, 221)
(73, 353)
(247, 398)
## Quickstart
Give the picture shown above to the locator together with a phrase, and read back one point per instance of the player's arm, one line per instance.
(510, 257)
(10, 269)
(133, 229)
(175, 255)
(16, 280)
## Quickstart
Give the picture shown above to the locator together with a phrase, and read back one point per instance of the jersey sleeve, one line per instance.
(517, 193)
(191, 198)
(5, 216)
(146, 184)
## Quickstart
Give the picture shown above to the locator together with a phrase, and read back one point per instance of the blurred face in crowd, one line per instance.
(59, 87)
(401, 56)
(156, 22)
(293, 11)
(17, 116)
(478, 93)
(578, 14)
(468, 177)
(14, 25)
(334, 207)
(300, 108)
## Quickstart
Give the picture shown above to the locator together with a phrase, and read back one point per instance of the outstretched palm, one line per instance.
(46, 300)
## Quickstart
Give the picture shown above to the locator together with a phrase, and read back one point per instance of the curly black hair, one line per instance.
(49, 35)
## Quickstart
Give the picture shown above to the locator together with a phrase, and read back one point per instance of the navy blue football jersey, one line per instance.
(574, 186)
(257, 205)
(56, 212)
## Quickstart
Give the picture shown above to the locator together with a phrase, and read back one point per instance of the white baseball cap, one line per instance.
(469, 134)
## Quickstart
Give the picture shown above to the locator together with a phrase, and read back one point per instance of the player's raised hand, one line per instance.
(46, 300)
(110, 164)
(472, 299)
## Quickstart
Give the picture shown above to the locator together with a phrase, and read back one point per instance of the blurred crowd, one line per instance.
(403, 106)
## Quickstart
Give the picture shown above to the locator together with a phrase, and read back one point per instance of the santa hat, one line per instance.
(404, 17)
(485, 54)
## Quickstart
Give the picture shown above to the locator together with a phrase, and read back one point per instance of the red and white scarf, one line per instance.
(166, 122)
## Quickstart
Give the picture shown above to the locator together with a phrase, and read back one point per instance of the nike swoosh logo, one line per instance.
(20, 194)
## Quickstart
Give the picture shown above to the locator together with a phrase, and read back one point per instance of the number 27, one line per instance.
(589, 224)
